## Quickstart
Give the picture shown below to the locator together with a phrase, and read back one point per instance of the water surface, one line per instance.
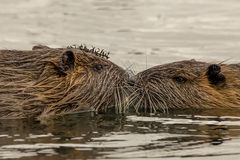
(139, 34)
(87, 136)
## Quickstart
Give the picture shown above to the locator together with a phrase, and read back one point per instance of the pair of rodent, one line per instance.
(53, 81)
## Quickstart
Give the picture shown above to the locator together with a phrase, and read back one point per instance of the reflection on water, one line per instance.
(121, 137)
(139, 34)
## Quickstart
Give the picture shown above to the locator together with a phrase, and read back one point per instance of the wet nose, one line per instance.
(131, 81)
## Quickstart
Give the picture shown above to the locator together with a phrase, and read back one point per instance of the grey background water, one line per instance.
(139, 34)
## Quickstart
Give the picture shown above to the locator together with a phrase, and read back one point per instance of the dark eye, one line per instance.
(97, 67)
(180, 79)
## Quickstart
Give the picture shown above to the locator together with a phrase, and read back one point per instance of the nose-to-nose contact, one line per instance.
(132, 81)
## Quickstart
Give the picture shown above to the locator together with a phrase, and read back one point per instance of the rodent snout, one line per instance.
(131, 81)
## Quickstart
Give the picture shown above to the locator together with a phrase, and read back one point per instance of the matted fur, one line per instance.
(31, 83)
(184, 85)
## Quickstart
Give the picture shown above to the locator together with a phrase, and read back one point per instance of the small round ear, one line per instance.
(214, 74)
(68, 61)
(213, 69)
(66, 64)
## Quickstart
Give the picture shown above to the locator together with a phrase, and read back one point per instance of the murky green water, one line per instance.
(140, 34)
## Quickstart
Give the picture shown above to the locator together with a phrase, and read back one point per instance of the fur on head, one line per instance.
(49, 81)
(186, 84)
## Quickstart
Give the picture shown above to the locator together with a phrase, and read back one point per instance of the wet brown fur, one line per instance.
(184, 84)
(35, 83)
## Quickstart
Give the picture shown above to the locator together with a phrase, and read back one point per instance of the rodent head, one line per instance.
(73, 80)
(184, 84)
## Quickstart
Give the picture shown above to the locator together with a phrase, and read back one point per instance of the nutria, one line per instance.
(53, 81)
(187, 84)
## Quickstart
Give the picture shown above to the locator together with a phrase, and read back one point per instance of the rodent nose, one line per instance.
(131, 81)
